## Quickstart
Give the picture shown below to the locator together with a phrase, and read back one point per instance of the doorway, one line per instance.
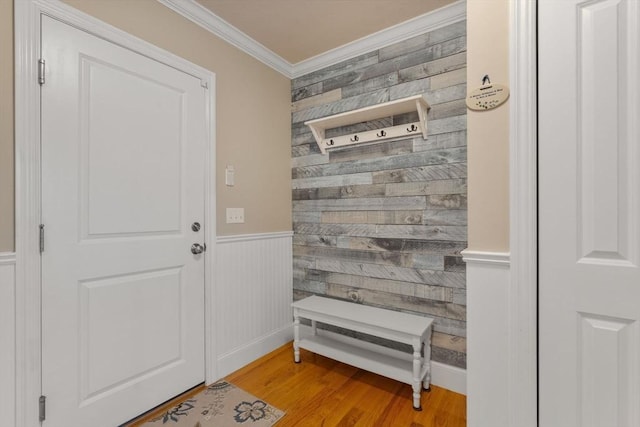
(118, 187)
(589, 213)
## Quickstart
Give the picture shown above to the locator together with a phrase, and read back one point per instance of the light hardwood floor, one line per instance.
(322, 392)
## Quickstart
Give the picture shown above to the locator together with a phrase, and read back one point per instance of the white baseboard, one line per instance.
(449, 377)
(236, 359)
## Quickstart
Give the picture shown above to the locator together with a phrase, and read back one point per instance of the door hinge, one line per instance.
(41, 71)
(41, 238)
(42, 408)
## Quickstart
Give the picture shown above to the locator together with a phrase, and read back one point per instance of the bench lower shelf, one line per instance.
(374, 358)
(413, 369)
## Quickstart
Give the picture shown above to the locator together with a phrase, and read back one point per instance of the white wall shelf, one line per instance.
(416, 103)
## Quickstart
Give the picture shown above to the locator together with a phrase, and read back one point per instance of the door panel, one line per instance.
(603, 117)
(150, 122)
(122, 181)
(109, 344)
(589, 217)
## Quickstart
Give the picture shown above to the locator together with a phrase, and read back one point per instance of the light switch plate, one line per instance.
(235, 215)
(229, 176)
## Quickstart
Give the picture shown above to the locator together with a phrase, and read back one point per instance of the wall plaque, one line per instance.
(487, 97)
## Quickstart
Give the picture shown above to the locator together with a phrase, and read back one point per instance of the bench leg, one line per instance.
(314, 327)
(427, 381)
(427, 361)
(296, 337)
(417, 381)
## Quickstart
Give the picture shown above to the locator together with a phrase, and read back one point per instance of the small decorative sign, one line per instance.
(487, 96)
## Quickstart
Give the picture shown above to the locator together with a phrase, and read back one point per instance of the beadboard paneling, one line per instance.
(7, 339)
(253, 297)
(488, 278)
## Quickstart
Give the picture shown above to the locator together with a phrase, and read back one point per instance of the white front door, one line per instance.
(589, 218)
(123, 162)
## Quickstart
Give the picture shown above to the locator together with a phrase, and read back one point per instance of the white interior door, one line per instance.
(589, 218)
(123, 162)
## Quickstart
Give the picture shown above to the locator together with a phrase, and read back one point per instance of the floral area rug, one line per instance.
(221, 405)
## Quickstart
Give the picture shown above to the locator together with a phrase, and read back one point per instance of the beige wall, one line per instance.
(6, 126)
(488, 131)
(253, 114)
(253, 119)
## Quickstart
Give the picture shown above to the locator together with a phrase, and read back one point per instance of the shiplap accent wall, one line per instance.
(7, 339)
(253, 297)
(383, 224)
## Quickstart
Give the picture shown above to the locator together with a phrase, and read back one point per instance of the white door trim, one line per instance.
(28, 191)
(522, 297)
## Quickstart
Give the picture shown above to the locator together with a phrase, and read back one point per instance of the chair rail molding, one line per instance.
(7, 258)
(251, 237)
(502, 259)
(430, 21)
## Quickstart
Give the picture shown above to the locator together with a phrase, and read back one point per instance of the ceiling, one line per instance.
(297, 30)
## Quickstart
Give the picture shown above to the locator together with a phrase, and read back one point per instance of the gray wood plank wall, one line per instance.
(383, 224)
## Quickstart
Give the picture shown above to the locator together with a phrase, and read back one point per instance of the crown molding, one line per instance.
(211, 22)
(430, 21)
(446, 15)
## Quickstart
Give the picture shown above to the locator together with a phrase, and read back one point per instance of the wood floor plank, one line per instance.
(322, 392)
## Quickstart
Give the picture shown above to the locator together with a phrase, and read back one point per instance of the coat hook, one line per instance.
(413, 128)
(355, 138)
(381, 134)
(330, 142)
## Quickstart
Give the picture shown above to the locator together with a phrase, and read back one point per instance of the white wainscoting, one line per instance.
(7, 339)
(488, 352)
(254, 291)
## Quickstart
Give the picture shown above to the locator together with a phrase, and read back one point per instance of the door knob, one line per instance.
(196, 249)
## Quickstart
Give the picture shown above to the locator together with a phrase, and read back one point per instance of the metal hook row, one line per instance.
(382, 133)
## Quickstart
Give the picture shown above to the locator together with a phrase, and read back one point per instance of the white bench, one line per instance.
(414, 370)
